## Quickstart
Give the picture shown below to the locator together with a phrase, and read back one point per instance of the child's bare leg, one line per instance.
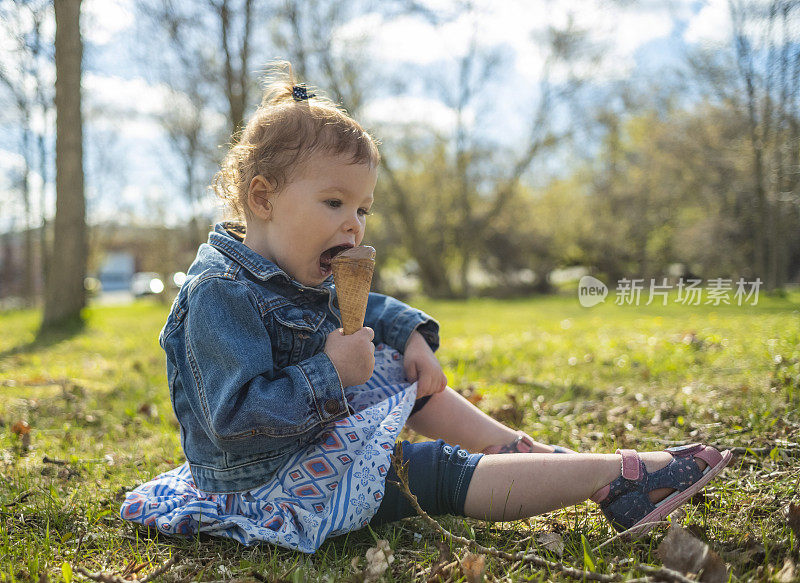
(449, 416)
(512, 486)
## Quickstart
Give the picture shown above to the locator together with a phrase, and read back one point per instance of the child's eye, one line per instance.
(333, 203)
(364, 212)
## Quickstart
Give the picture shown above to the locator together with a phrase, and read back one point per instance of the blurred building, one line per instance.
(116, 253)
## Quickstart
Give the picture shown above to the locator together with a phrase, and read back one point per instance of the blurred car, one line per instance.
(177, 279)
(146, 283)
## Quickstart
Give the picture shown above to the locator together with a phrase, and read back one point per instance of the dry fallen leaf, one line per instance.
(475, 398)
(21, 428)
(508, 413)
(682, 552)
(473, 566)
(552, 542)
(378, 559)
(354, 564)
(148, 410)
(787, 573)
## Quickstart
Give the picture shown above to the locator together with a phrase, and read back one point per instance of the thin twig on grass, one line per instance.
(440, 570)
(106, 577)
(49, 460)
(665, 574)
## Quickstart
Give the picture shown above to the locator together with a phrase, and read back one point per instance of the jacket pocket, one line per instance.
(297, 334)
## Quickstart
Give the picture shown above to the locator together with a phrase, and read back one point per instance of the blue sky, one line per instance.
(131, 172)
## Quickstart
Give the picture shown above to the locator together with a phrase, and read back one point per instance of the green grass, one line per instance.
(593, 379)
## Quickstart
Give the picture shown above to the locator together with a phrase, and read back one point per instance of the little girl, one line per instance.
(288, 425)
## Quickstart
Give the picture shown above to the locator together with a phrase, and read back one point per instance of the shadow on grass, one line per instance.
(50, 336)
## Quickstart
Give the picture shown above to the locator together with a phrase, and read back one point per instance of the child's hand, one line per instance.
(421, 365)
(352, 355)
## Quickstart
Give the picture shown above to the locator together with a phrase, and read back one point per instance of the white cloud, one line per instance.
(521, 27)
(404, 110)
(711, 26)
(105, 19)
(125, 95)
(10, 163)
(129, 108)
(136, 102)
(406, 39)
(620, 31)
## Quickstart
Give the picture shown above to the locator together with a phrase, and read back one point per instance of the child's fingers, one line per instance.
(370, 333)
(438, 382)
(411, 370)
(428, 383)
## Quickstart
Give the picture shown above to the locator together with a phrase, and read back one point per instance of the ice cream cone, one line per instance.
(352, 275)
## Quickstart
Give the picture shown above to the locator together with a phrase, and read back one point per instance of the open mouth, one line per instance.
(327, 256)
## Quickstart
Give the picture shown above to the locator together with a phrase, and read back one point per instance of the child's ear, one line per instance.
(259, 194)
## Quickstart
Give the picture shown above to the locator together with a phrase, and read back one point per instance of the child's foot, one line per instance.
(654, 484)
(654, 461)
(524, 443)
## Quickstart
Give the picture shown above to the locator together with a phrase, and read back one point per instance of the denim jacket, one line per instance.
(248, 378)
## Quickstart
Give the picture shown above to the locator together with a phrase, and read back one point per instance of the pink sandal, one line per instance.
(625, 501)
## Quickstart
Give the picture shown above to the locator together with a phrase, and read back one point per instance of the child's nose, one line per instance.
(352, 224)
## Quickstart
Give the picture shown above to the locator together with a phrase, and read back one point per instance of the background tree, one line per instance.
(28, 91)
(203, 53)
(766, 57)
(205, 49)
(64, 292)
(480, 177)
(307, 33)
(191, 140)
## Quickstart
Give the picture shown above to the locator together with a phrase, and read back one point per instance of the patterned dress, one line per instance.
(332, 486)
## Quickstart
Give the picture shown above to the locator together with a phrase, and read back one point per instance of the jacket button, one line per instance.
(331, 406)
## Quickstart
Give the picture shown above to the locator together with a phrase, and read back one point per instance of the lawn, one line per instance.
(86, 416)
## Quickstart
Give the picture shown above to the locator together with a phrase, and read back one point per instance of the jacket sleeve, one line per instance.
(394, 321)
(234, 389)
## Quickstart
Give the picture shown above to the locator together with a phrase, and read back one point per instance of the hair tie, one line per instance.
(300, 93)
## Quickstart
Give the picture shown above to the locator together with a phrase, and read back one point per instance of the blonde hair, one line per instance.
(282, 134)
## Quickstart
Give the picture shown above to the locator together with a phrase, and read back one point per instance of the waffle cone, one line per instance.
(352, 275)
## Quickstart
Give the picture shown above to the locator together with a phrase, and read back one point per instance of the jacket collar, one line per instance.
(228, 238)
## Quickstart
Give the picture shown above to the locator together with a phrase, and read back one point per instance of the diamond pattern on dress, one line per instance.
(302, 504)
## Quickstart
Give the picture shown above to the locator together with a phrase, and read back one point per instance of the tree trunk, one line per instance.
(64, 294)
